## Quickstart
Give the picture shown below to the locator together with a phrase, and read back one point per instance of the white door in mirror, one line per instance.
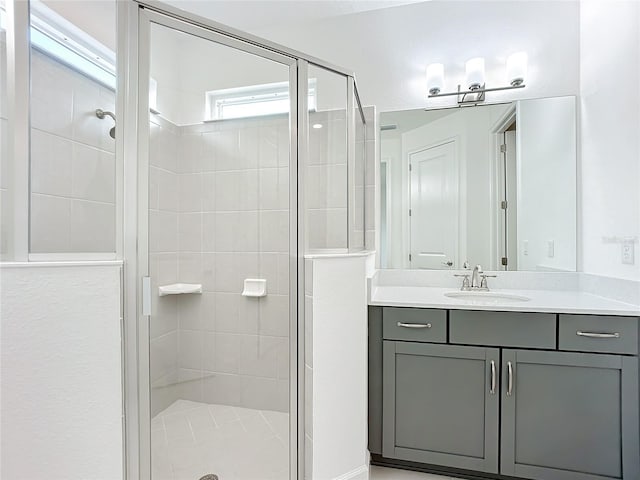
(434, 203)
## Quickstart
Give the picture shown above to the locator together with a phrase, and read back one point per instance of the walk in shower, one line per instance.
(249, 156)
(206, 164)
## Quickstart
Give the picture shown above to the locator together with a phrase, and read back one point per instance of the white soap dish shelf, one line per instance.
(254, 287)
(179, 289)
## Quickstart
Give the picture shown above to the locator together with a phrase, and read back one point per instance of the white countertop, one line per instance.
(543, 301)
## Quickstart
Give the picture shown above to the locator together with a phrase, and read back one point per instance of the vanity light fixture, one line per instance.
(475, 79)
(435, 78)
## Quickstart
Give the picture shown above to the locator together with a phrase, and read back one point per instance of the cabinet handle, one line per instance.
(414, 325)
(597, 335)
(509, 379)
(493, 378)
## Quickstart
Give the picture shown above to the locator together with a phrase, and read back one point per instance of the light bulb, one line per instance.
(435, 78)
(517, 68)
(475, 73)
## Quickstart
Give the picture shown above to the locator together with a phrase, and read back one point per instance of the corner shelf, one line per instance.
(179, 289)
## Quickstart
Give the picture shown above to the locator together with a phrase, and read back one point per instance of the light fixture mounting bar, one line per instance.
(476, 91)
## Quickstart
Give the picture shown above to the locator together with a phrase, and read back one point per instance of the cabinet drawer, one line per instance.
(505, 329)
(414, 324)
(595, 333)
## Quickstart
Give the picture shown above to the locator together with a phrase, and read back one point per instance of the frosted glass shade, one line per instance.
(517, 68)
(435, 78)
(475, 73)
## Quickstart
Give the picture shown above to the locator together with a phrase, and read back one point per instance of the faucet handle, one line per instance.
(465, 280)
(483, 282)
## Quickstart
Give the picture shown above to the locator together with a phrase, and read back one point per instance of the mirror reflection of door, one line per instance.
(433, 205)
(507, 204)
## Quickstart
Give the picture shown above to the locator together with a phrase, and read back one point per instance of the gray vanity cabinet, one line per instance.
(505, 395)
(569, 416)
(440, 404)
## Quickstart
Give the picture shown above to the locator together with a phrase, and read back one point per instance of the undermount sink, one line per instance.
(486, 297)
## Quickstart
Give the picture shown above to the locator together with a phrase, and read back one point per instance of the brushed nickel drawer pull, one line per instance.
(414, 325)
(597, 334)
(493, 378)
(509, 379)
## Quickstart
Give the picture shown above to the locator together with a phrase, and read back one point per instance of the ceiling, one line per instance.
(252, 15)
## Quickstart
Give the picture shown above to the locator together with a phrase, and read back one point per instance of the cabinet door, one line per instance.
(569, 416)
(439, 406)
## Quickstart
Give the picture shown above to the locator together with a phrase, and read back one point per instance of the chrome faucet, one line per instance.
(475, 276)
(478, 280)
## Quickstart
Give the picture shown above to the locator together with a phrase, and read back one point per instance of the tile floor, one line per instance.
(383, 473)
(191, 439)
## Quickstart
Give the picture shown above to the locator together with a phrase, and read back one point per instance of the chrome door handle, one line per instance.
(493, 378)
(414, 325)
(597, 334)
(509, 379)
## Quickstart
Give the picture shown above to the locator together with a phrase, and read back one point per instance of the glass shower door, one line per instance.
(221, 249)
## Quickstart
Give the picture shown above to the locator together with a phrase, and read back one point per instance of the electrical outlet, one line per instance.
(551, 247)
(628, 254)
(525, 247)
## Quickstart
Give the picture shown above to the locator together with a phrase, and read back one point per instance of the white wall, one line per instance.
(388, 49)
(338, 424)
(61, 372)
(546, 190)
(610, 144)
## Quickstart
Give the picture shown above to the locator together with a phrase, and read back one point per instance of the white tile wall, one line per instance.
(168, 379)
(219, 213)
(72, 161)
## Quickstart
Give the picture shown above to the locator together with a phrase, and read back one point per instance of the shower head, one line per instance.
(104, 113)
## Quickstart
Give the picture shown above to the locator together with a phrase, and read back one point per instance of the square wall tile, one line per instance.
(93, 174)
(274, 315)
(51, 96)
(236, 190)
(93, 226)
(190, 188)
(191, 153)
(163, 353)
(236, 314)
(274, 231)
(190, 232)
(274, 188)
(50, 224)
(236, 231)
(50, 164)
(190, 349)
(225, 389)
(258, 356)
(222, 352)
(163, 231)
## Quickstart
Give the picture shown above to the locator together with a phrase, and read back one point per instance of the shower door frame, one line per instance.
(138, 16)
(133, 20)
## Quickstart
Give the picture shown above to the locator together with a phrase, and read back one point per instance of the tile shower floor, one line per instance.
(191, 439)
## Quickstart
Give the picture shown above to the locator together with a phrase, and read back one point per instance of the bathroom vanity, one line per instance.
(486, 392)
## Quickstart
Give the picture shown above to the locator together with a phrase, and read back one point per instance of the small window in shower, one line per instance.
(253, 101)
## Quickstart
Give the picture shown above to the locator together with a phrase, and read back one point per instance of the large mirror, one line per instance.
(493, 185)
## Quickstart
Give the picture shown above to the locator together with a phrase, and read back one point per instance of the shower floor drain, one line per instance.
(209, 476)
